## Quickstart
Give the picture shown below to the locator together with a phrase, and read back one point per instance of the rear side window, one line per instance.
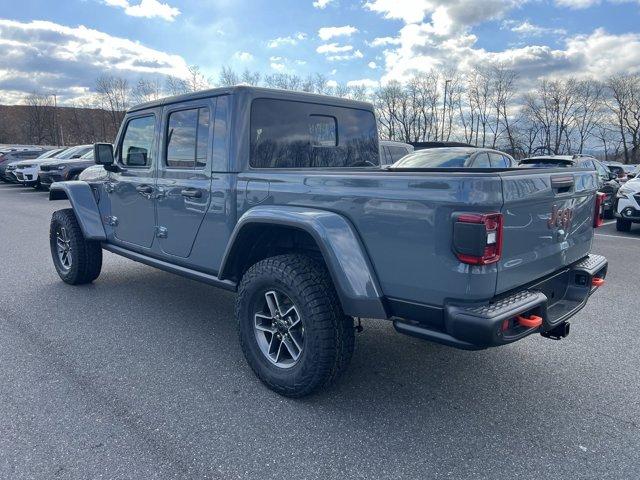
(137, 142)
(397, 153)
(481, 161)
(498, 161)
(586, 164)
(187, 138)
(288, 134)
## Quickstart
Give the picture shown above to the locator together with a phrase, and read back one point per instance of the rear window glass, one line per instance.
(435, 158)
(397, 153)
(545, 164)
(288, 134)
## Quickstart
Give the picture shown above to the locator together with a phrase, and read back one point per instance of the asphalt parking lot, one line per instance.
(140, 376)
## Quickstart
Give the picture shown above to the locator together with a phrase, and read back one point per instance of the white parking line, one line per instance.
(616, 236)
(609, 223)
(31, 192)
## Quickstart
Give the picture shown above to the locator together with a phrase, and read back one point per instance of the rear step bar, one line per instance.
(510, 318)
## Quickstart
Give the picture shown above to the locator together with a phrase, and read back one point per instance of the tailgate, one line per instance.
(548, 223)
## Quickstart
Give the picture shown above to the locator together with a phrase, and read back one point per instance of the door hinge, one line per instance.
(161, 232)
(111, 220)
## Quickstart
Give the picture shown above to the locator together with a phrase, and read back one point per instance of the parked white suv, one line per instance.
(628, 205)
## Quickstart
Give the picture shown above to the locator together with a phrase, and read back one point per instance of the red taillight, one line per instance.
(598, 217)
(486, 244)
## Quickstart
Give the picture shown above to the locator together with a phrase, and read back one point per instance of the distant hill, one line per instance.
(22, 124)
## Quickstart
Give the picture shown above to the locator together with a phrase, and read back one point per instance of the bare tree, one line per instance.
(146, 90)
(113, 93)
(176, 86)
(40, 121)
(625, 105)
(251, 78)
(228, 77)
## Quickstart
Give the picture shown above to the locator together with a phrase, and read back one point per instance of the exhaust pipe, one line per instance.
(559, 332)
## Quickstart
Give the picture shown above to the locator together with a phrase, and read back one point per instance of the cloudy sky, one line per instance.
(62, 46)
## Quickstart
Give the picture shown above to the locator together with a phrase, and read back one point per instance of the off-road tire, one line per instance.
(623, 225)
(86, 255)
(329, 335)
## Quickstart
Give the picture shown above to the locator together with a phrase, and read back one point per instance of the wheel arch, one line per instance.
(271, 230)
(84, 206)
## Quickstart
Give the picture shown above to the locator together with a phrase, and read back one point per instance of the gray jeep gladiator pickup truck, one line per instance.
(279, 196)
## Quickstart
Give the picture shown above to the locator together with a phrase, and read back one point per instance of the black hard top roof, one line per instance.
(255, 92)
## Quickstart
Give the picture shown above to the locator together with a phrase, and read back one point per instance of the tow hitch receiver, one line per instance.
(532, 321)
(559, 332)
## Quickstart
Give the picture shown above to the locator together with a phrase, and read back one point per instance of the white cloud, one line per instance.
(322, 4)
(443, 39)
(461, 12)
(280, 67)
(338, 53)
(333, 48)
(45, 57)
(289, 40)
(243, 56)
(384, 41)
(333, 72)
(577, 4)
(326, 33)
(372, 65)
(527, 29)
(146, 9)
(332, 84)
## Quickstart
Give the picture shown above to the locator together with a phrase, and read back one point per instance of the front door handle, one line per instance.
(145, 189)
(191, 193)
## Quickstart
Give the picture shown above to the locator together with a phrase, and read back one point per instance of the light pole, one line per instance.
(444, 107)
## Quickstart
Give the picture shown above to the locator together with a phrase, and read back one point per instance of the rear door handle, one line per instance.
(191, 193)
(146, 189)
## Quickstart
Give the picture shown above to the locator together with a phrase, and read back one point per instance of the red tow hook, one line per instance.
(533, 321)
(597, 281)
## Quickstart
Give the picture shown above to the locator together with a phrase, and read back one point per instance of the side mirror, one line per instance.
(103, 154)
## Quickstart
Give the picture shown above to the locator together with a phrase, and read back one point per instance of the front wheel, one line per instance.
(77, 260)
(292, 330)
(623, 225)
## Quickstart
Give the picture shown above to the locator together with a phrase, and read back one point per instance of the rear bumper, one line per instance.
(476, 326)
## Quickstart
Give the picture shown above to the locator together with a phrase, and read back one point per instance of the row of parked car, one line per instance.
(622, 199)
(39, 167)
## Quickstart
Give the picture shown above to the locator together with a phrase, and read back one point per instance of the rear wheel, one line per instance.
(623, 225)
(77, 260)
(292, 330)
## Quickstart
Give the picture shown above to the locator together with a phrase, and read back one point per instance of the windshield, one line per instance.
(74, 152)
(435, 158)
(51, 153)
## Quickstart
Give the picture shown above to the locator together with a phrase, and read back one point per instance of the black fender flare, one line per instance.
(343, 252)
(84, 206)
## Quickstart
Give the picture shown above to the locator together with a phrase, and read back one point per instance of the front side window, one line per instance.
(138, 141)
(289, 134)
(187, 138)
